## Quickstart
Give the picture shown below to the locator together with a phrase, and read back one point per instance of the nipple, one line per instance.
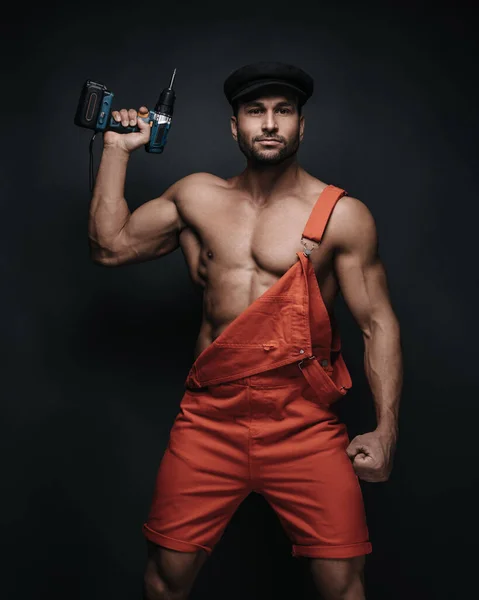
(209, 254)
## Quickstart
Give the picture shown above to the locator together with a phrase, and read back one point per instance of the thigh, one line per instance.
(310, 483)
(170, 570)
(202, 478)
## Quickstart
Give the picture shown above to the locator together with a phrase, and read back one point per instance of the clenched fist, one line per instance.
(372, 455)
(129, 141)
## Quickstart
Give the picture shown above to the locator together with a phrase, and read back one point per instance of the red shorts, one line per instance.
(269, 434)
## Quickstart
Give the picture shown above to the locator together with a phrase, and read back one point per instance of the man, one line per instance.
(271, 248)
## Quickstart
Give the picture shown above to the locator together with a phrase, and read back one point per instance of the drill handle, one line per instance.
(119, 128)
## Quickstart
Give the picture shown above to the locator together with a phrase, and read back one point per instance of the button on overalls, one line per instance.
(256, 416)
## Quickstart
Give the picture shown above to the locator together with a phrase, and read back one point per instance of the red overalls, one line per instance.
(256, 416)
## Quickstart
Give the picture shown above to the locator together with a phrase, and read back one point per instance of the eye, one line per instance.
(253, 111)
(284, 110)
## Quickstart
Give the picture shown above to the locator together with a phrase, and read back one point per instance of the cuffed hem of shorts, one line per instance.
(172, 543)
(333, 551)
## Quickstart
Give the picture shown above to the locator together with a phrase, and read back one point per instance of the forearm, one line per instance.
(384, 371)
(108, 208)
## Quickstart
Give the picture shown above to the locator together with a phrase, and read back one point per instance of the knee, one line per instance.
(349, 587)
(153, 587)
(156, 588)
(169, 575)
(351, 584)
(339, 579)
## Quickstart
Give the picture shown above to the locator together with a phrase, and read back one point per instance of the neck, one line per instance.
(261, 181)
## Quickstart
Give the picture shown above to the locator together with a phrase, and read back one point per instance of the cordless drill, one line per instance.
(95, 106)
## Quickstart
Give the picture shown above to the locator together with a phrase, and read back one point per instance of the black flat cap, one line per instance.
(252, 77)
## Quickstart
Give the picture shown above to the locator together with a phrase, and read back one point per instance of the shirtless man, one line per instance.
(239, 236)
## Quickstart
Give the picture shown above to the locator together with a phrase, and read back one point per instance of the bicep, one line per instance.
(151, 231)
(361, 274)
(154, 228)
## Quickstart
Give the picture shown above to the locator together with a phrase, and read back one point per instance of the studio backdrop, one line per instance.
(94, 359)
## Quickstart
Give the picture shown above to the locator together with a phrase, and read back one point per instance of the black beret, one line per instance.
(261, 74)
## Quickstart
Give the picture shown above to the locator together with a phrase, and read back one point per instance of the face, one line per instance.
(268, 128)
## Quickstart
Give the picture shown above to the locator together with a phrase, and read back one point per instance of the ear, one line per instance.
(234, 128)
(301, 128)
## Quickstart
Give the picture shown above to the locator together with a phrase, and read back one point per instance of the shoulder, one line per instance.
(351, 223)
(350, 210)
(197, 182)
(196, 194)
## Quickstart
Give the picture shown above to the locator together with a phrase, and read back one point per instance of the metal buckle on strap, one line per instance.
(300, 364)
(307, 251)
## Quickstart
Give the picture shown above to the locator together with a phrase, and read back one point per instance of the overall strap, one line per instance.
(319, 217)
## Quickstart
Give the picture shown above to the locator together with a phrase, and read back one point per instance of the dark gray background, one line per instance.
(94, 359)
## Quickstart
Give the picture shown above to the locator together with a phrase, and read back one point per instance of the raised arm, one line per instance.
(151, 231)
(117, 236)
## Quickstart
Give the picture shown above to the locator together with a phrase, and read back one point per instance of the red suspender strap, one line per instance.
(321, 212)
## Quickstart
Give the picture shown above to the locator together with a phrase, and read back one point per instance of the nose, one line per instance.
(269, 121)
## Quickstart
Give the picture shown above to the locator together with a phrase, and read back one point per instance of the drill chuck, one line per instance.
(167, 98)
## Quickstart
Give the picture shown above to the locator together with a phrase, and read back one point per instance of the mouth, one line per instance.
(269, 142)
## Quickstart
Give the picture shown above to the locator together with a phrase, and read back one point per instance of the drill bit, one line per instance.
(172, 79)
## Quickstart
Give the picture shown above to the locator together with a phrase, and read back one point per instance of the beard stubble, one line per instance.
(268, 157)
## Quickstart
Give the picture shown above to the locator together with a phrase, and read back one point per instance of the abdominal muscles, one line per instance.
(227, 293)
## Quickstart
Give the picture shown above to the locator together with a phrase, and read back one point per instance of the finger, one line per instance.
(143, 111)
(356, 443)
(351, 453)
(361, 459)
(353, 450)
(362, 473)
(116, 115)
(124, 117)
(143, 126)
(132, 116)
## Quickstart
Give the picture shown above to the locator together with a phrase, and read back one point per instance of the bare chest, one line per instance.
(239, 238)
